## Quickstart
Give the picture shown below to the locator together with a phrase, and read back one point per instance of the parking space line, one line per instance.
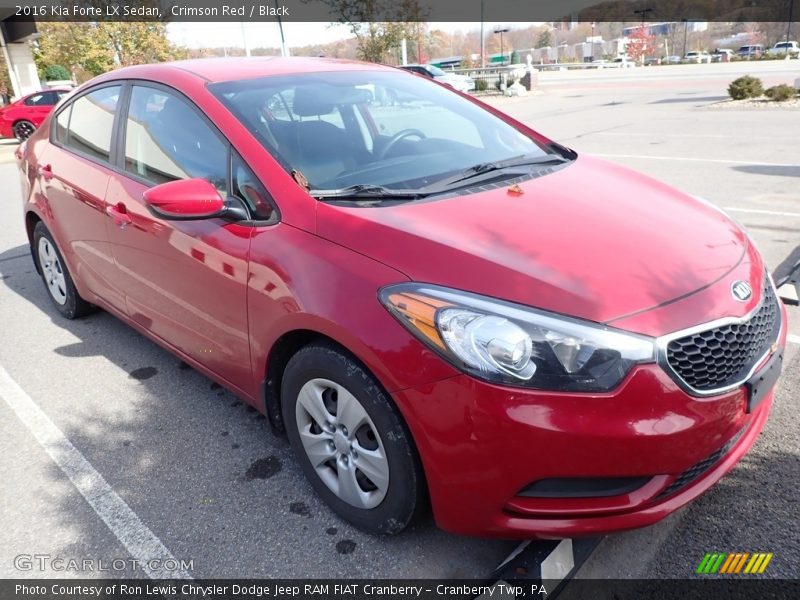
(708, 160)
(794, 339)
(758, 211)
(142, 544)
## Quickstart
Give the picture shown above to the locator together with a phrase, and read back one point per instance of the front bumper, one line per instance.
(482, 444)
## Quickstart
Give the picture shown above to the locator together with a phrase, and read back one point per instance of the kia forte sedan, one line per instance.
(438, 305)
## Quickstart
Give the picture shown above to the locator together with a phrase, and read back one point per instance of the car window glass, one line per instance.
(36, 100)
(166, 139)
(371, 128)
(92, 122)
(62, 122)
(392, 114)
(247, 187)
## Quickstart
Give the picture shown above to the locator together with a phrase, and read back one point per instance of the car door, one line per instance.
(74, 171)
(184, 281)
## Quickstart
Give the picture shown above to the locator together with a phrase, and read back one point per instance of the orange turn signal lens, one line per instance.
(420, 312)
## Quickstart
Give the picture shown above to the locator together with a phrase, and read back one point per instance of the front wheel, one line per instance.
(350, 441)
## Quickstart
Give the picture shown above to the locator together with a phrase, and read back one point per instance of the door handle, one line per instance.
(46, 171)
(119, 213)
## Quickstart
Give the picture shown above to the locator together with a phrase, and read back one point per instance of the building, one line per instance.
(15, 36)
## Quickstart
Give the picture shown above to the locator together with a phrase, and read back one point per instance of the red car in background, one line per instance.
(435, 302)
(24, 116)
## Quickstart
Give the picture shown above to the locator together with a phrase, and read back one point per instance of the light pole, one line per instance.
(789, 28)
(501, 32)
(685, 34)
(483, 60)
(591, 54)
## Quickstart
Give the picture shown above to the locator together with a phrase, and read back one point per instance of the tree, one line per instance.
(640, 44)
(545, 39)
(56, 73)
(378, 25)
(89, 49)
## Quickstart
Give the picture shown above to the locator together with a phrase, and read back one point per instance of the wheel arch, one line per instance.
(31, 219)
(279, 355)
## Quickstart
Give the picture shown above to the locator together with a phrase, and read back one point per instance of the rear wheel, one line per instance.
(350, 440)
(23, 130)
(56, 277)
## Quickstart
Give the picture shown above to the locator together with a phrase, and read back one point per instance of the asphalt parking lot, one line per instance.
(206, 477)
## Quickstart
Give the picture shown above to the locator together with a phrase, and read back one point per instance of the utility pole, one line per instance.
(789, 28)
(591, 55)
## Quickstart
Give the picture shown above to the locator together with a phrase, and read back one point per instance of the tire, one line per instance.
(390, 491)
(57, 280)
(23, 130)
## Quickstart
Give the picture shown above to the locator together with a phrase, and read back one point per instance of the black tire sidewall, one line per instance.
(404, 496)
(70, 308)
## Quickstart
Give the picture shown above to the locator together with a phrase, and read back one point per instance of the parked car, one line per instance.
(21, 118)
(623, 62)
(391, 285)
(784, 48)
(462, 83)
(722, 55)
(697, 57)
(751, 51)
(672, 60)
(652, 61)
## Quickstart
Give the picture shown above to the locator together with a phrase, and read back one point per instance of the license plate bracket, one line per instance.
(760, 384)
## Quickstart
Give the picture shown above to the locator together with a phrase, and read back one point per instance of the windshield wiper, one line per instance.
(490, 167)
(367, 191)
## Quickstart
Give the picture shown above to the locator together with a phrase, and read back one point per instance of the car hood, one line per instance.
(592, 240)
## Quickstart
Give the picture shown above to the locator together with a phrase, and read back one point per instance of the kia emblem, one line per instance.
(741, 290)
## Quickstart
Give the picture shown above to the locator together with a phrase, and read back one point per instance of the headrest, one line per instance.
(311, 101)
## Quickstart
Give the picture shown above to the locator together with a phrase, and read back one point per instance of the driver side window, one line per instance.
(166, 139)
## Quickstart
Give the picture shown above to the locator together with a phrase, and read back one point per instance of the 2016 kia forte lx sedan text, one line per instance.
(439, 305)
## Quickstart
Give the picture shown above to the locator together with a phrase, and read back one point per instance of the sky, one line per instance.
(214, 35)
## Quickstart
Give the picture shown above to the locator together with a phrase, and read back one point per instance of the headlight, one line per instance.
(515, 345)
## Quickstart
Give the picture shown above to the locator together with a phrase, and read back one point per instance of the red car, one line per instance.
(435, 302)
(22, 117)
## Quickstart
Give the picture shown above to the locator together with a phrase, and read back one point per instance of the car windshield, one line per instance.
(378, 131)
(436, 71)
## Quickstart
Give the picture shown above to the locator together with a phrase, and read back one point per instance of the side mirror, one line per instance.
(185, 199)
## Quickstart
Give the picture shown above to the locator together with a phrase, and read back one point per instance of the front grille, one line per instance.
(724, 356)
(695, 471)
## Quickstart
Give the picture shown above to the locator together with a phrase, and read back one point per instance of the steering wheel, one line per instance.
(400, 135)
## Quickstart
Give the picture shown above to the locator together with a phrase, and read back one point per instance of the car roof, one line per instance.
(215, 70)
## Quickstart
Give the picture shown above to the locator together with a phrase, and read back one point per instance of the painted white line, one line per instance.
(758, 211)
(559, 562)
(514, 554)
(708, 160)
(142, 543)
(794, 339)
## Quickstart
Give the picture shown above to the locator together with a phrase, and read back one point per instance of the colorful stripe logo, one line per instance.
(734, 563)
